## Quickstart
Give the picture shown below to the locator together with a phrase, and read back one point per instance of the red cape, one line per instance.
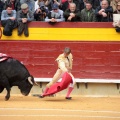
(59, 86)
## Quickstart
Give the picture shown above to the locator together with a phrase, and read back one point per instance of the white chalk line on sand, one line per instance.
(77, 116)
(57, 115)
(47, 109)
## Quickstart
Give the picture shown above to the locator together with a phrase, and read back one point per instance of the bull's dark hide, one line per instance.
(14, 73)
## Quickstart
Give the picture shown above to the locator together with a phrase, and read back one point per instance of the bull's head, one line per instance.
(27, 85)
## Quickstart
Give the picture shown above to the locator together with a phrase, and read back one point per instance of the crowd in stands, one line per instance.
(16, 13)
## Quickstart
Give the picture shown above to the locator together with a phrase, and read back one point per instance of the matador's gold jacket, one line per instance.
(65, 63)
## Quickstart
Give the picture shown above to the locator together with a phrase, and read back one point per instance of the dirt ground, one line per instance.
(58, 108)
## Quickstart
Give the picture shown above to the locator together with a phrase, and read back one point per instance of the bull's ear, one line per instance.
(30, 80)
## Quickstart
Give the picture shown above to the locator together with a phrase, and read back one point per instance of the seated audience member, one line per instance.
(80, 4)
(1, 7)
(72, 14)
(30, 3)
(95, 3)
(37, 3)
(114, 3)
(49, 3)
(104, 12)
(23, 17)
(56, 15)
(88, 13)
(116, 22)
(62, 1)
(116, 18)
(66, 5)
(3, 1)
(14, 3)
(41, 13)
(117, 11)
(8, 20)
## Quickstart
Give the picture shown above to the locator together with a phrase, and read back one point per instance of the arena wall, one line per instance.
(95, 47)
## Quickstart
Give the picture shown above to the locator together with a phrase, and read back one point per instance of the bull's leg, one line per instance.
(1, 88)
(8, 93)
(6, 85)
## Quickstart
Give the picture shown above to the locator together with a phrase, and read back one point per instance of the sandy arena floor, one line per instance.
(58, 108)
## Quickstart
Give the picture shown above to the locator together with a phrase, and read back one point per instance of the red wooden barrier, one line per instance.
(91, 59)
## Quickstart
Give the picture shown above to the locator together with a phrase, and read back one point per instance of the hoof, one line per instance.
(7, 98)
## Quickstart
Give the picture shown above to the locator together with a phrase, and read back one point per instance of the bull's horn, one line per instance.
(30, 80)
(36, 84)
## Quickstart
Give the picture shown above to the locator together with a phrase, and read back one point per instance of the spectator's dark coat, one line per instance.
(75, 19)
(7, 23)
(85, 18)
(1, 8)
(29, 15)
(24, 26)
(108, 11)
(95, 3)
(16, 4)
(79, 4)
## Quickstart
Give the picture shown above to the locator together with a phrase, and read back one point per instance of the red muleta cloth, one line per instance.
(59, 86)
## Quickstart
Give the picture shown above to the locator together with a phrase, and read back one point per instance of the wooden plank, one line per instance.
(114, 53)
(114, 60)
(95, 61)
(114, 46)
(64, 34)
(45, 54)
(91, 59)
(41, 61)
(73, 25)
(99, 75)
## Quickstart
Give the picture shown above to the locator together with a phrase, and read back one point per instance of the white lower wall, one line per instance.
(94, 89)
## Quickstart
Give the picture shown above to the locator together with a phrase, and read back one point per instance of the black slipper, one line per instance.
(68, 98)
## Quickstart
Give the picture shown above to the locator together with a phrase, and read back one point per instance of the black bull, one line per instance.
(13, 73)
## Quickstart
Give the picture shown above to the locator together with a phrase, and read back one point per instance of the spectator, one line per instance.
(66, 5)
(3, 1)
(95, 3)
(117, 11)
(23, 17)
(80, 4)
(8, 20)
(14, 3)
(116, 18)
(72, 14)
(41, 13)
(1, 7)
(62, 1)
(88, 13)
(114, 4)
(37, 3)
(116, 22)
(104, 12)
(56, 15)
(49, 3)
(30, 3)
